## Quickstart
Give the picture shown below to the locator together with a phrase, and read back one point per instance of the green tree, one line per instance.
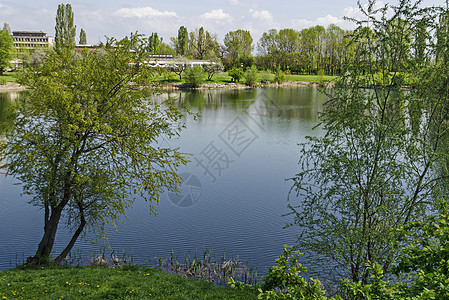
(178, 66)
(373, 170)
(194, 76)
(239, 45)
(202, 44)
(7, 28)
(36, 58)
(166, 49)
(288, 40)
(212, 68)
(181, 42)
(83, 37)
(268, 42)
(84, 144)
(65, 30)
(251, 76)
(6, 50)
(154, 43)
(421, 268)
(236, 74)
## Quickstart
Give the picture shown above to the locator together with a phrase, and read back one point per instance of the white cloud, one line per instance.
(323, 21)
(263, 15)
(217, 15)
(328, 20)
(143, 12)
(234, 2)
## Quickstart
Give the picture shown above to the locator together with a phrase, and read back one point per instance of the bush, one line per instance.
(251, 76)
(194, 76)
(265, 76)
(236, 74)
(279, 76)
(284, 280)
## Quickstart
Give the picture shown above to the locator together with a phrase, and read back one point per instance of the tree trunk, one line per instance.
(70, 245)
(46, 244)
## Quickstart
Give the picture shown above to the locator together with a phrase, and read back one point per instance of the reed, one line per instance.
(207, 268)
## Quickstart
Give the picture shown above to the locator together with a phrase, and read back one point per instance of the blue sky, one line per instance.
(118, 18)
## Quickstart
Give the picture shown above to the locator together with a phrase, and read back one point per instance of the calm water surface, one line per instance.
(243, 148)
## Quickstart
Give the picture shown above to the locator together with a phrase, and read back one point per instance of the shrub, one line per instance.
(251, 76)
(194, 76)
(236, 74)
(284, 280)
(279, 76)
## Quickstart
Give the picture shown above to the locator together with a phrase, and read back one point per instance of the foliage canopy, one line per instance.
(85, 141)
(65, 29)
(381, 163)
(6, 50)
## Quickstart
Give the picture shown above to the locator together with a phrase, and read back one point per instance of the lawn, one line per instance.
(262, 76)
(96, 282)
(8, 77)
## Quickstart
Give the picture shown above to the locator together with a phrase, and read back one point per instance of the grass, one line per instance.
(265, 76)
(311, 78)
(8, 77)
(97, 282)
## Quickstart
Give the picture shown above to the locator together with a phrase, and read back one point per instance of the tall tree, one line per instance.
(374, 170)
(154, 43)
(443, 35)
(6, 50)
(181, 42)
(288, 40)
(202, 44)
(83, 37)
(239, 45)
(268, 42)
(7, 28)
(65, 30)
(420, 40)
(84, 144)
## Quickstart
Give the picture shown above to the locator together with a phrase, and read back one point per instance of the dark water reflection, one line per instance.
(6, 108)
(234, 209)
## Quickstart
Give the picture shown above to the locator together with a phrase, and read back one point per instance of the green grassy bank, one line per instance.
(8, 77)
(96, 282)
(221, 78)
(224, 78)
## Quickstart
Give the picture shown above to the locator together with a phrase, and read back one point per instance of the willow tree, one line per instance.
(85, 141)
(382, 162)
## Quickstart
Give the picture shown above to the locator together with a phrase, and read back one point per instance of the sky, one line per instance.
(119, 18)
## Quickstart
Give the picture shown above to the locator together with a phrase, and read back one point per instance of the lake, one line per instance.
(243, 148)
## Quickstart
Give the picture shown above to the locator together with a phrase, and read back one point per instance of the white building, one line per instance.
(31, 40)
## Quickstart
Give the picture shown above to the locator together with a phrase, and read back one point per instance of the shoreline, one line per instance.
(237, 86)
(16, 87)
(12, 87)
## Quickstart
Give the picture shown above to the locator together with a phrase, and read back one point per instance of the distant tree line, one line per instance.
(315, 50)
